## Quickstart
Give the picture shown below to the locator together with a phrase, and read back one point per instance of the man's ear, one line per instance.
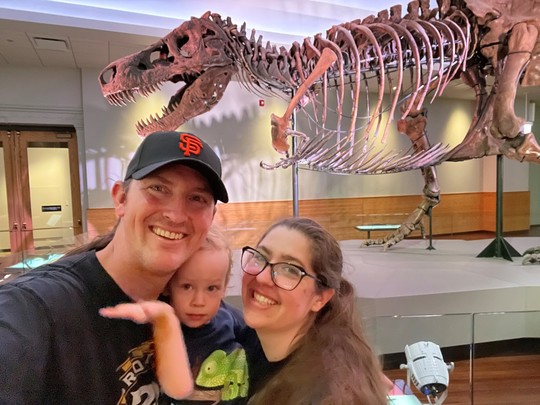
(323, 297)
(119, 198)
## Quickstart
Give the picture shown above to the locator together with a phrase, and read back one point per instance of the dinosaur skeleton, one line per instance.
(491, 45)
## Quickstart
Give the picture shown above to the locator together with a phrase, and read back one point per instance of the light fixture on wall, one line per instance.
(427, 370)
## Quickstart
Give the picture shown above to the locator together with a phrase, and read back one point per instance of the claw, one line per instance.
(531, 256)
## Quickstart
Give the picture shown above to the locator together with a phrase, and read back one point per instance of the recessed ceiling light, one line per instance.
(51, 44)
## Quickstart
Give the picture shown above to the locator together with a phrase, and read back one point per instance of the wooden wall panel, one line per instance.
(516, 209)
(459, 213)
(100, 220)
(244, 222)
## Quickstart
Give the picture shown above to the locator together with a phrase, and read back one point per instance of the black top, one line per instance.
(218, 359)
(260, 369)
(56, 349)
(218, 352)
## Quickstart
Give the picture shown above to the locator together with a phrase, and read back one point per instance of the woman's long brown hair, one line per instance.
(332, 363)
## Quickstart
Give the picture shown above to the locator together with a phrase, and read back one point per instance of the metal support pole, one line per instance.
(430, 247)
(499, 247)
(294, 167)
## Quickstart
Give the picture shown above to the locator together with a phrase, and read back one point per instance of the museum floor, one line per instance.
(499, 380)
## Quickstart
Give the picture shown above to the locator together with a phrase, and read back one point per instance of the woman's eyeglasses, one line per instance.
(284, 275)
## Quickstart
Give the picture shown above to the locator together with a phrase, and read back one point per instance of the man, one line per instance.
(54, 346)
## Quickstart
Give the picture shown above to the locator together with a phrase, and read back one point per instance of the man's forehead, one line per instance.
(174, 172)
(180, 168)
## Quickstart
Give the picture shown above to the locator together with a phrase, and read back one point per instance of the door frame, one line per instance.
(15, 140)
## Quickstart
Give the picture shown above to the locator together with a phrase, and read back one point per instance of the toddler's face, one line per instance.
(199, 286)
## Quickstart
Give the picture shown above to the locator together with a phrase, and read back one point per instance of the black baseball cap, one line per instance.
(162, 148)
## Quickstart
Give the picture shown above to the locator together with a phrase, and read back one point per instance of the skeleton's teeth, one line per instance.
(116, 99)
(129, 95)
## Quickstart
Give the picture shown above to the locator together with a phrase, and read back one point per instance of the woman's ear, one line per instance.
(322, 298)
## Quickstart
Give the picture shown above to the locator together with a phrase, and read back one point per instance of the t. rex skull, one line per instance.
(195, 53)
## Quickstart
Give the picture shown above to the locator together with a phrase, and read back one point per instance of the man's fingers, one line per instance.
(131, 311)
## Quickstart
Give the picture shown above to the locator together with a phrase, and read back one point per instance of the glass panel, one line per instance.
(495, 355)
(20, 262)
(452, 333)
(50, 194)
(506, 362)
(4, 219)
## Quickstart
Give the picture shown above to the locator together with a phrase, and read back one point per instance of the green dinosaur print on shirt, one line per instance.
(225, 370)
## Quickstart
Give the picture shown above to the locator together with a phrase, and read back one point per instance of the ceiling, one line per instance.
(82, 34)
(92, 33)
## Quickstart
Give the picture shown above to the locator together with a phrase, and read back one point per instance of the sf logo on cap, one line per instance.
(190, 144)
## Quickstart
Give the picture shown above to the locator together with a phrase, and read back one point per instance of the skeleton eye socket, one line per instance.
(181, 41)
(160, 54)
(210, 33)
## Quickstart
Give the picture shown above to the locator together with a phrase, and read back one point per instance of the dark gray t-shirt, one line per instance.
(55, 348)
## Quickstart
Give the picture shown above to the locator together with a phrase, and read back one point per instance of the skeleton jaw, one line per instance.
(200, 93)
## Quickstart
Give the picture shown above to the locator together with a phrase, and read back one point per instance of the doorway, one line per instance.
(40, 201)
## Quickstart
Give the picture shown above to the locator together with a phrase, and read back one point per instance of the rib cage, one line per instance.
(374, 52)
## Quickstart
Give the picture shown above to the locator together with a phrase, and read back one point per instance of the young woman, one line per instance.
(304, 313)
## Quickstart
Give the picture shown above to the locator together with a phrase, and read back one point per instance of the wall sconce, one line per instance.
(427, 370)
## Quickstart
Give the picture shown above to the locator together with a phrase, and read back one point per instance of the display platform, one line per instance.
(447, 295)
(409, 279)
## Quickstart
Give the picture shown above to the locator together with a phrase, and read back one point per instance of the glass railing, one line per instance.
(491, 357)
(47, 248)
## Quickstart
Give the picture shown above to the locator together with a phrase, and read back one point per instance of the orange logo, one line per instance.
(190, 144)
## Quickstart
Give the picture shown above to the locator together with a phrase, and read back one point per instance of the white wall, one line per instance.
(37, 96)
(38, 88)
